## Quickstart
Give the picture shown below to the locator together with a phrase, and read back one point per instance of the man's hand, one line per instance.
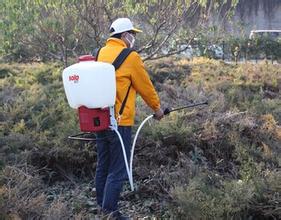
(158, 114)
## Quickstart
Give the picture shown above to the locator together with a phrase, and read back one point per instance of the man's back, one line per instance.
(131, 71)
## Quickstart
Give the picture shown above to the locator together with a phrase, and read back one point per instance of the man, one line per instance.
(131, 78)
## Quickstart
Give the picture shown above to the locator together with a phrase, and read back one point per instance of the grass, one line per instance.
(214, 162)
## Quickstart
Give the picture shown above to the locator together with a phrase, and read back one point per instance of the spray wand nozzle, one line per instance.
(168, 110)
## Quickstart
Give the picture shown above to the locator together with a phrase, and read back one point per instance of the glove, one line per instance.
(158, 115)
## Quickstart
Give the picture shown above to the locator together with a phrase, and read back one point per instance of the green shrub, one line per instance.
(218, 161)
(209, 196)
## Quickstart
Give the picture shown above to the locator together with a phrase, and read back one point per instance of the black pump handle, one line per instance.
(81, 137)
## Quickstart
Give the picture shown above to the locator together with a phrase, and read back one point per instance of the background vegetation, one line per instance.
(46, 30)
(56, 30)
(216, 162)
(220, 161)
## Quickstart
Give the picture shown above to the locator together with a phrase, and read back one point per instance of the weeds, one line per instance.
(215, 162)
(22, 191)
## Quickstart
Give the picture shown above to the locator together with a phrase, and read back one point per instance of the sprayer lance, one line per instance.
(168, 111)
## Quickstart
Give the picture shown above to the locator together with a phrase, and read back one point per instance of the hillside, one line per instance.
(217, 162)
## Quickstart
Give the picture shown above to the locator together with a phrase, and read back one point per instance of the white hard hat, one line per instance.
(121, 25)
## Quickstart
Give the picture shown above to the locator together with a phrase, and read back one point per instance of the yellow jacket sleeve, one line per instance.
(142, 83)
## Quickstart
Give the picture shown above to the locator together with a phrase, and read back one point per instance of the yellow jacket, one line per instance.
(132, 70)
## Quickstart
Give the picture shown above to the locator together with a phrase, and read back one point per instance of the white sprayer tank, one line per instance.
(91, 84)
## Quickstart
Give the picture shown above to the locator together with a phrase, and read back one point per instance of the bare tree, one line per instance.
(69, 28)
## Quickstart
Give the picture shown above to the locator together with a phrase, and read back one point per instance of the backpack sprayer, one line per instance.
(90, 87)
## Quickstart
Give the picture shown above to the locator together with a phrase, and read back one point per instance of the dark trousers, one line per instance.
(111, 170)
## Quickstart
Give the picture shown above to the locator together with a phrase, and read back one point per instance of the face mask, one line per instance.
(131, 39)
